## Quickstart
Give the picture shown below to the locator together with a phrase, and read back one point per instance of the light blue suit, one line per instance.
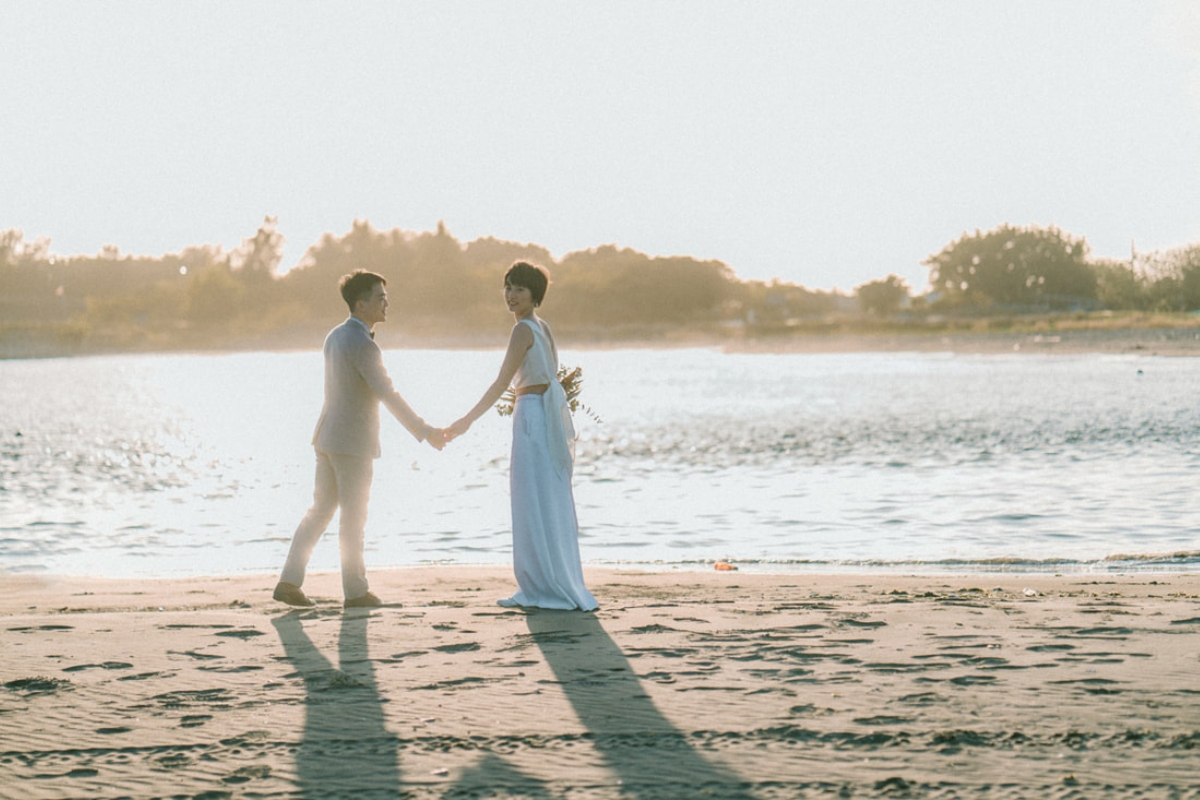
(347, 441)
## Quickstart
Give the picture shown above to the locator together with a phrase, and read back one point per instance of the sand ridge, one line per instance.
(683, 684)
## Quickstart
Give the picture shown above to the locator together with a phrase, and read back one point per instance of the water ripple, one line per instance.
(165, 464)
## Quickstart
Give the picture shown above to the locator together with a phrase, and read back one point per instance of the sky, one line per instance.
(825, 143)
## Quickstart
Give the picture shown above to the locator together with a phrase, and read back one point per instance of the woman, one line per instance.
(545, 529)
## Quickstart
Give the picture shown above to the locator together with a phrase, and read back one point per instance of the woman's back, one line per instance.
(541, 364)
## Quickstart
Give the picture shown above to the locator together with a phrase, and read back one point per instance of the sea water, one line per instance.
(175, 465)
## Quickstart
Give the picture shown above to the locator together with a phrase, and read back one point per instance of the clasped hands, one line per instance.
(439, 437)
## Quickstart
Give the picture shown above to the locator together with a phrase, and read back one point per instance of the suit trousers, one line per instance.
(342, 482)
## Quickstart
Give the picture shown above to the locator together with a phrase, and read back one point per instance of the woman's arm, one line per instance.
(519, 342)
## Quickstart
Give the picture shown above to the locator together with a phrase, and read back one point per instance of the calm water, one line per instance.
(178, 465)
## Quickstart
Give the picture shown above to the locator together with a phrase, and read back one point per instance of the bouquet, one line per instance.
(572, 383)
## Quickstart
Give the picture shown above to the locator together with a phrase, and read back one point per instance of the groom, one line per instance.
(347, 442)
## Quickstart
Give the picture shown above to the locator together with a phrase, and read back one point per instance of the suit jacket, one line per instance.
(355, 384)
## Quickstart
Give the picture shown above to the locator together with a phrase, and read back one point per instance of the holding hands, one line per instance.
(457, 428)
(520, 340)
(438, 438)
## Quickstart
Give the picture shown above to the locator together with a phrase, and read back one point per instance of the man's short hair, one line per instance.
(529, 276)
(357, 285)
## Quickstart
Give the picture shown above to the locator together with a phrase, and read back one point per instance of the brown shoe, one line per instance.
(368, 600)
(290, 593)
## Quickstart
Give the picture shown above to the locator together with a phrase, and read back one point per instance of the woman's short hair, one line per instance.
(533, 277)
(358, 285)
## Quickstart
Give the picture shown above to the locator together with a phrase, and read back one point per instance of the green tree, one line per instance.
(214, 296)
(609, 284)
(882, 297)
(1187, 261)
(1119, 286)
(29, 289)
(435, 274)
(1173, 279)
(313, 282)
(258, 258)
(1024, 267)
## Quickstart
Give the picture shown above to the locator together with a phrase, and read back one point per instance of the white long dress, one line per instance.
(545, 529)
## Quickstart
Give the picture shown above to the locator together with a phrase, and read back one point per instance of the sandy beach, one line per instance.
(683, 685)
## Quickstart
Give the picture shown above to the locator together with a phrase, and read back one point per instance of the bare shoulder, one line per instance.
(521, 336)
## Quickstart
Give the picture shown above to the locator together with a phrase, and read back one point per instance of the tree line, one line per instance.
(204, 296)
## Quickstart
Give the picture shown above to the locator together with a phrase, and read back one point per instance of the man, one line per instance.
(347, 442)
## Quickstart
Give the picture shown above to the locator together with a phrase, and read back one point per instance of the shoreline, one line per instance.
(1121, 566)
(707, 683)
(1151, 340)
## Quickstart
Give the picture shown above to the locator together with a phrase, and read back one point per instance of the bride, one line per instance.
(544, 527)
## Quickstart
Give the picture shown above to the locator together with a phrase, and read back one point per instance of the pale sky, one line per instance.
(823, 143)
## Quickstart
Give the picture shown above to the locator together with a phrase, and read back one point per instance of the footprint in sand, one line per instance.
(187, 699)
(972, 680)
(247, 774)
(1092, 685)
(882, 720)
(105, 665)
(38, 685)
(41, 628)
(923, 698)
(194, 720)
(143, 676)
(654, 628)
(193, 654)
(859, 623)
(451, 684)
(247, 633)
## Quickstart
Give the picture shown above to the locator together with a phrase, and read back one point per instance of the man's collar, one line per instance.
(364, 326)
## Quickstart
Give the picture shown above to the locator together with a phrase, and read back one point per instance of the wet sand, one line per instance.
(683, 685)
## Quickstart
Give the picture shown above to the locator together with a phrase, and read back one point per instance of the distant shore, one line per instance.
(1138, 341)
(1047, 338)
(699, 684)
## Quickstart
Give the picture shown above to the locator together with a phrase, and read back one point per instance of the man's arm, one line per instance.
(369, 361)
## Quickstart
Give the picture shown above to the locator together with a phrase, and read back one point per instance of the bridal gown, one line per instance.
(545, 529)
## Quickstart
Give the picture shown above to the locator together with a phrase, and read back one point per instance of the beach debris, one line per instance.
(724, 566)
(1030, 592)
(442, 771)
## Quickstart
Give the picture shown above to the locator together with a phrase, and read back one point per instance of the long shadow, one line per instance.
(639, 744)
(346, 749)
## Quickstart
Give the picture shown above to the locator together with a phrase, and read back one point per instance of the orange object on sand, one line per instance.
(724, 566)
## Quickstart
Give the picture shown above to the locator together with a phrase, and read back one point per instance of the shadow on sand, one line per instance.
(643, 749)
(345, 744)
